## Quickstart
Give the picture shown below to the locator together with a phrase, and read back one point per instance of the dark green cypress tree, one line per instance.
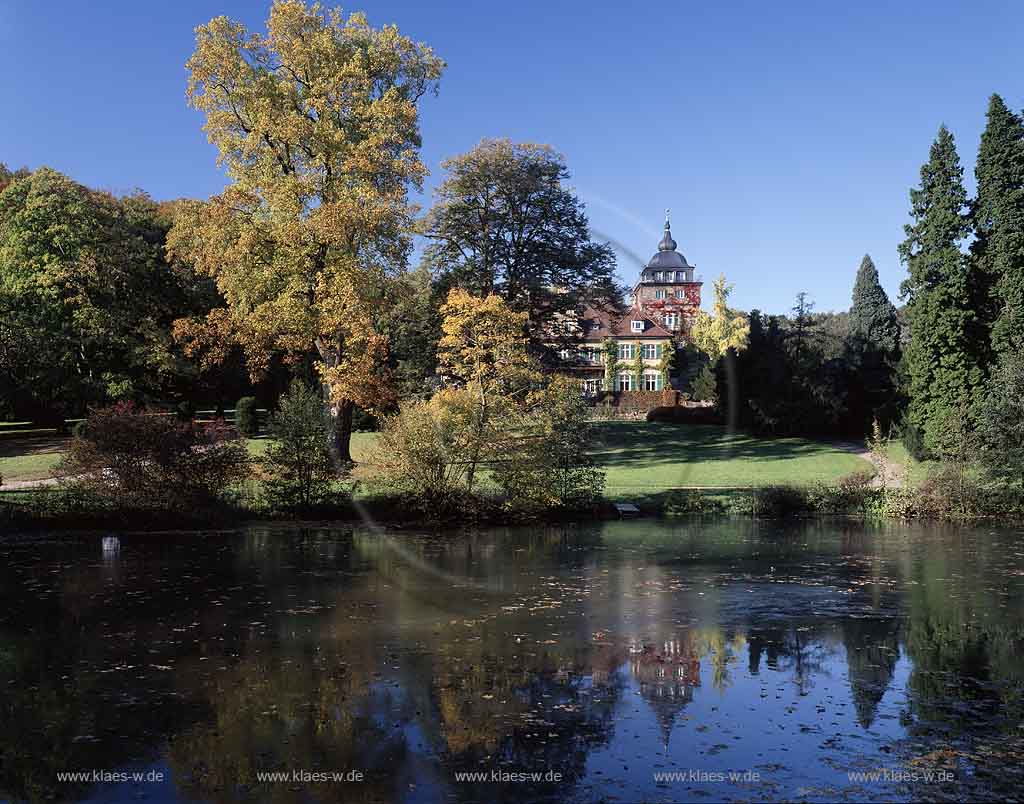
(872, 353)
(872, 316)
(998, 217)
(945, 356)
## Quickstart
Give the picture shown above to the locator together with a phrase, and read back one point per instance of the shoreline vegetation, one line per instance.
(667, 470)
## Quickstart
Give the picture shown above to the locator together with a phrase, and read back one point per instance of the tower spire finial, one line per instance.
(667, 243)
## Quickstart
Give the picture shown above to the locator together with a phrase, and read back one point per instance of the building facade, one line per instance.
(663, 304)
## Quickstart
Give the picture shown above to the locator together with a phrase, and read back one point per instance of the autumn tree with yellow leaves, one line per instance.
(724, 329)
(483, 352)
(316, 122)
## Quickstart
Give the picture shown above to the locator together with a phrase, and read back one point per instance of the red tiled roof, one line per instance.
(599, 324)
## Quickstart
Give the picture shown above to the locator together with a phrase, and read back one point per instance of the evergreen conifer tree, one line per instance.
(998, 217)
(872, 349)
(947, 336)
(873, 316)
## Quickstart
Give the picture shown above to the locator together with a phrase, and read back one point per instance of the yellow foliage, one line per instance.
(723, 330)
(483, 342)
(316, 123)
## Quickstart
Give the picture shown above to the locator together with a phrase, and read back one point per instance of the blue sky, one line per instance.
(784, 136)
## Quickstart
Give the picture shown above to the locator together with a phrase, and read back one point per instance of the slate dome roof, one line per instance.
(667, 256)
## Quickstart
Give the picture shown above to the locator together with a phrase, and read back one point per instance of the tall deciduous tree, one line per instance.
(872, 316)
(317, 124)
(998, 217)
(504, 223)
(944, 357)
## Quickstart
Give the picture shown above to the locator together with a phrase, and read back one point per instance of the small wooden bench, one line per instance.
(627, 510)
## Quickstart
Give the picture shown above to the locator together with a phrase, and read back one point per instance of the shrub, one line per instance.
(705, 385)
(685, 502)
(893, 503)
(546, 463)
(775, 502)
(851, 495)
(247, 420)
(421, 452)
(913, 441)
(948, 493)
(301, 472)
(142, 461)
(685, 415)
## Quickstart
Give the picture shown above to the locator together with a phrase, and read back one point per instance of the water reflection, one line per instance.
(594, 657)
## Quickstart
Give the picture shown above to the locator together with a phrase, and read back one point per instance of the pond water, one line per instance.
(723, 660)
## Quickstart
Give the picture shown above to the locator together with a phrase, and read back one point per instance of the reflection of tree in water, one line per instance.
(335, 698)
(88, 670)
(802, 649)
(283, 713)
(872, 649)
(529, 720)
(965, 637)
(965, 642)
(320, 650)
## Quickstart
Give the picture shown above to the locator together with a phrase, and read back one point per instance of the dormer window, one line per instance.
(636, 326)
(657, 276)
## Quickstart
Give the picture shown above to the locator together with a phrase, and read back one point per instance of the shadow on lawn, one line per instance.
(622, 443)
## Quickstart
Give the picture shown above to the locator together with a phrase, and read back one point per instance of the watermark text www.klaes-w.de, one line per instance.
(297, 775)
(708, 777)
(505, 777)
(303, 776)
(903, 776)
(111, 777)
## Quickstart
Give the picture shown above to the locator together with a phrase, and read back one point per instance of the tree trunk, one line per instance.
(343, 433)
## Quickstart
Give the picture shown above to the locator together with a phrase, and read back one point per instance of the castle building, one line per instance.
(663, 304)
(666, 290)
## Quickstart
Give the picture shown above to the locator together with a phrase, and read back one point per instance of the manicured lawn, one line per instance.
(35, 459)
(361, 445)
(642, 459)
(30, 466)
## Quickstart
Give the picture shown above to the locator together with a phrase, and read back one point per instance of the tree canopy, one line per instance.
(724, 329)
(945, 355)
(316, 122)
(86, 297)
(998, 218)
(504, 223)
(872, 316)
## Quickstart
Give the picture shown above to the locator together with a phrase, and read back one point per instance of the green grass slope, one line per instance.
(642, 459)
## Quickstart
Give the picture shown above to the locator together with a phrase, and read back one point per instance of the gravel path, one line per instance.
(889, 473)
